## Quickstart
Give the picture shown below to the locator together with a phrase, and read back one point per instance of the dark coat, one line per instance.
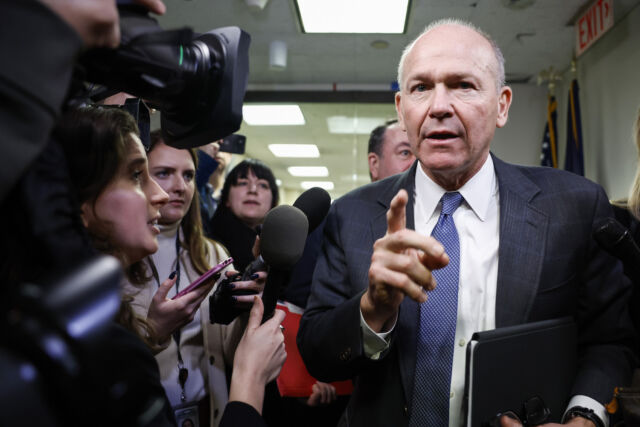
(549, 267)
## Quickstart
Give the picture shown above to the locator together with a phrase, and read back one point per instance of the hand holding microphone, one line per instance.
(282, 242)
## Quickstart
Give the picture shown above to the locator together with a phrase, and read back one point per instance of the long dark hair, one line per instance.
(194, 239)
(95, 141)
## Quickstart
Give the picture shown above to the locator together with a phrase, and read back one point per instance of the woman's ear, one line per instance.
(86, 214)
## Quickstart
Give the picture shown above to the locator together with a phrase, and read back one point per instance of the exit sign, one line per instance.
(593, 23)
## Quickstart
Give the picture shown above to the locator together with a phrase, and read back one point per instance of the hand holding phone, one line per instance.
(202, 279)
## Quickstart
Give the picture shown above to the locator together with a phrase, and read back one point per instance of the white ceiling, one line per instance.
(532, 39)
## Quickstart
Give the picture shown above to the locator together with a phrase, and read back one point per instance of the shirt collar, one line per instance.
(477, 192)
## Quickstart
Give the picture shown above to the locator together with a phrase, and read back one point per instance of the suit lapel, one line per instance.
(406, 327)
(523, 231)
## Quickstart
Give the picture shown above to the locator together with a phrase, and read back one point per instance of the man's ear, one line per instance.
(504, 102)
(399, 111)
(374, 162)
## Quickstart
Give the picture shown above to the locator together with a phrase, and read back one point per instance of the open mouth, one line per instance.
(442, 136)
(154, 225)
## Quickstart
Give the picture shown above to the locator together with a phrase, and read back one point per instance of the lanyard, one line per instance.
(183, 373)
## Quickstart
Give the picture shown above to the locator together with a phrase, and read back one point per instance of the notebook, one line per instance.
(507, 366)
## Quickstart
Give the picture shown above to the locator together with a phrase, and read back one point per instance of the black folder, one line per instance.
(507, 366)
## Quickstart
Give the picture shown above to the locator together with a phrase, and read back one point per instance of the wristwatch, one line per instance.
(579, 411)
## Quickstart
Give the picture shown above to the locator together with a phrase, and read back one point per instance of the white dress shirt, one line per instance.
(477, 221)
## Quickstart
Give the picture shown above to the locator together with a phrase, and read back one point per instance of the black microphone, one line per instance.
(616, 239)
(315, 203)
(282, 240)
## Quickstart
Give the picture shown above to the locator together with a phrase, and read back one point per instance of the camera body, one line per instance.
(58, 345)
(196, 81)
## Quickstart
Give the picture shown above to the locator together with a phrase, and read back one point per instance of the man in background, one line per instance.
(389, 151)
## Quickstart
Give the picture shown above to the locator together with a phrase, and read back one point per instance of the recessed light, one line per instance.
(294, 150)
(353, 16)
(272, 115)
(327, 185)
(308, 170)
(350, 125)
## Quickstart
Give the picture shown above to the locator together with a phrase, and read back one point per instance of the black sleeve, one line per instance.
(34, 80)
(240, 414)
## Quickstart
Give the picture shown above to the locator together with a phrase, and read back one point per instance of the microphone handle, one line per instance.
(276, 280)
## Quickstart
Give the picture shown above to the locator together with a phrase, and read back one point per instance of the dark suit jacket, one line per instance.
(549, 266)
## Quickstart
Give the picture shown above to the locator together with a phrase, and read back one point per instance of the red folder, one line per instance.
(294, 379)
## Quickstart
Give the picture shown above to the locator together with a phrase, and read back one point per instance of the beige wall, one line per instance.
(609, 78)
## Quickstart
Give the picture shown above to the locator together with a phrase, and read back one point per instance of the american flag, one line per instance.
(574, 161)
(549, 155)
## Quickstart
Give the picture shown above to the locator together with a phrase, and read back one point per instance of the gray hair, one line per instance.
(500, 78)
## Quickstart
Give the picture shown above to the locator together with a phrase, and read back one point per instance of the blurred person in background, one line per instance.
(389, 152)
(249, 192)
(212, 165)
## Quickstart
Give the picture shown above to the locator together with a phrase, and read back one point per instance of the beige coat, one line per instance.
(209, 348)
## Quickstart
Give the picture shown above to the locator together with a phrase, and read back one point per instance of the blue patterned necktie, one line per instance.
(437, 329)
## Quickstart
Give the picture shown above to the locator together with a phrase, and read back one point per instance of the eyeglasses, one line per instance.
(534, 412)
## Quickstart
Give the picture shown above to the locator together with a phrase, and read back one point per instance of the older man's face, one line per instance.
(449, 103)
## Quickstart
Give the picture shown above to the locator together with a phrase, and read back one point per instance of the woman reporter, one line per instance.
(195, 354)
(120, 208)
(249, 192)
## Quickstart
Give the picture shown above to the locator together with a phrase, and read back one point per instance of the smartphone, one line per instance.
(233, 144)
(200, 280)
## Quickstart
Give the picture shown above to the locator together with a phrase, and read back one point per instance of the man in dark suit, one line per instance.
(519, 250)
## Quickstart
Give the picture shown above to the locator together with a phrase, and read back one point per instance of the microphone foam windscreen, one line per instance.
(315, 203)
(283, 236)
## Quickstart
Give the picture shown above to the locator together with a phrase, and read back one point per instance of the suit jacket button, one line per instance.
(345, 355)
(405, 411)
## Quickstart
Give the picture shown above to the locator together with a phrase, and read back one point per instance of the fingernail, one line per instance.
(173, 274)
(254, 276)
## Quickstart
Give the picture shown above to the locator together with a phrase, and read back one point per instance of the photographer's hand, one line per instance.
(155, 6)
(96, 22)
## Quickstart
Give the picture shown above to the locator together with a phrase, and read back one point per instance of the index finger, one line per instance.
(397, 213)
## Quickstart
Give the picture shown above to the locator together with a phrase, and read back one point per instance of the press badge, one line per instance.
(187, 415)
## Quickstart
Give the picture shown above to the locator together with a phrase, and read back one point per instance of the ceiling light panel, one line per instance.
(353, 16)
(272, 115)
(308, 170)
(327, 185)
(351, 125)
(294, 150)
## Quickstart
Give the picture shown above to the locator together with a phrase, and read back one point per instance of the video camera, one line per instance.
(197, 81)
